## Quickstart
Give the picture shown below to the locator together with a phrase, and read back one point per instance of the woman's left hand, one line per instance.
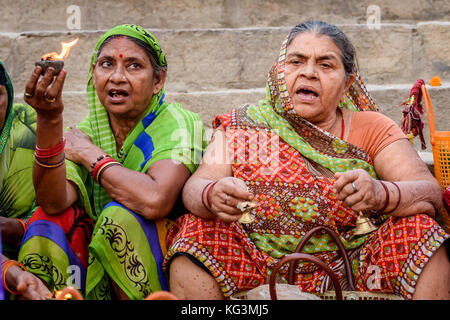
(79, 147)
(358, 190)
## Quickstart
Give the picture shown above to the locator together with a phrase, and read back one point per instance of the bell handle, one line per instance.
(308, 235)
(307, 257)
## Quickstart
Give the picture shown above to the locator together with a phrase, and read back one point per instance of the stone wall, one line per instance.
(220, 51)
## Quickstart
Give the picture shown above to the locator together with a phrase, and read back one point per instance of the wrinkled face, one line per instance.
(3, 105)
(123, 78)
(315, 76)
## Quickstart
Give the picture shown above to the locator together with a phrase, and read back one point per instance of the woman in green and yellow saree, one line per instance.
(108, 189)
(17, 141)
(17, 196)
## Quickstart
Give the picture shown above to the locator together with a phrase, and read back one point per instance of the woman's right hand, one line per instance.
(27, 285)
(79, 147)
(45, 94)
(225, 196)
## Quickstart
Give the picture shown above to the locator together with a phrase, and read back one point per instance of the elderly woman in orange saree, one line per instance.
(315, 153)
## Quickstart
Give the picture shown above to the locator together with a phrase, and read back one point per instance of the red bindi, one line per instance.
(120, 55)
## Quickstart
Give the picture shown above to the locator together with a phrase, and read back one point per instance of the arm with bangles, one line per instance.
(152, 194)
(53, 192)
(21, 283)
(406, 186)
(212, 192)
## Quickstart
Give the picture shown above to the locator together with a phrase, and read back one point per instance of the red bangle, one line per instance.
(203, 196)
(50, 152)
(103, 168)
(99, 165)
(207, 193)
(399, 197)
(386, 203)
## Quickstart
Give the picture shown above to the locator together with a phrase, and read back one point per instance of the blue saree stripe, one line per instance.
(161, 101)
(148, 119)
(151, 232)
(145, 143)
(52, 231)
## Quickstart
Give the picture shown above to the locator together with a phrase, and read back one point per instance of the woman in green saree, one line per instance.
(120, 172)
(17, 197)
(17, 140)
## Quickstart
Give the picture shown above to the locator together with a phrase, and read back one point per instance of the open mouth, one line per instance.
(307, 91)
(115, 93)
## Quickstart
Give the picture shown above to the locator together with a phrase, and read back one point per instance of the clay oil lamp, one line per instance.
(68, 293)
(55, 60)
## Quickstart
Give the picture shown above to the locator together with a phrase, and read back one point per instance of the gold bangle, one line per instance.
(6, 266)
(103, 168)
(50, 165)
(100, 170)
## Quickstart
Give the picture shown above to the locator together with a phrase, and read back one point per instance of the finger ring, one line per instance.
(354, 187)
(28, 95)
(226, 198)
(50, 100)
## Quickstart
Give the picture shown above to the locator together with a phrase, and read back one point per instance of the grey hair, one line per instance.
(157, 69)
(348, 53)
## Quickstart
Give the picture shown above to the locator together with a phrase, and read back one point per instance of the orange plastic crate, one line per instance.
(440, 145)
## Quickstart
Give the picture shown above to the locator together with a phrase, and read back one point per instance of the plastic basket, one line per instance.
(440, 145)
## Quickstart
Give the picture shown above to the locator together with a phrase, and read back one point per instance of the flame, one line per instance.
(65, 49)
(58, 295)
(67, 296)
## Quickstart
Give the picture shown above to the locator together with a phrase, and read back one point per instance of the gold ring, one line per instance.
(28, 95)
(50, 100)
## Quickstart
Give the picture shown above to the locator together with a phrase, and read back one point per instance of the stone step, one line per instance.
(210, 103)
(215, 59)
(25, 15)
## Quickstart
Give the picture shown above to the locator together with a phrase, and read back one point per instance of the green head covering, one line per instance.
(6, 81)
(98, 117)
(132, 31)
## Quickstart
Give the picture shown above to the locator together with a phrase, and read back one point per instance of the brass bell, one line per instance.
(245, 208)
(246, 218)
(363, 225)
